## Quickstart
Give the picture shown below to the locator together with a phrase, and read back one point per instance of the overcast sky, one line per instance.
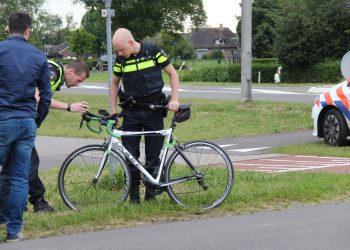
(218, 11)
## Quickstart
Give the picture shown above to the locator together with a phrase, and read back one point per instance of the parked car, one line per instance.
(331, 114)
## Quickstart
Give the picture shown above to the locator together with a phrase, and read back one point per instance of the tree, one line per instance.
(47, 28)
(81, 41)
(8, 6)
(176, 45)
(95, 24)
(148, 17)
(264, 18)
(312, 31)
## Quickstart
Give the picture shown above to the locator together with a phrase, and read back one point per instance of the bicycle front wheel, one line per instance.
(203, 172)
(91, 177)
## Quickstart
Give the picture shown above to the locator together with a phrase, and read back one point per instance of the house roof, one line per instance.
(60, 48)
(206, 37)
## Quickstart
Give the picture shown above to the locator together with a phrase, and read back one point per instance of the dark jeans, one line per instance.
(36, 187)
(143, 120)
(17, 136)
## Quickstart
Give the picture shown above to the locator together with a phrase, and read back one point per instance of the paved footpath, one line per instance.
(305, 227)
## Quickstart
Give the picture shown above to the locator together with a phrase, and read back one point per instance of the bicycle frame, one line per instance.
(115, 142)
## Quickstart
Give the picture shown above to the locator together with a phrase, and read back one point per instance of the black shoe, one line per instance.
(41, 206)
(134, 196)
(14, 237)
(150, 193)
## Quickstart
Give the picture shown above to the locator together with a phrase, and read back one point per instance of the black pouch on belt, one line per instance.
(164, 101)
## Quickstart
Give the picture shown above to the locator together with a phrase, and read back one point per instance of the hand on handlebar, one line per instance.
(79, 107)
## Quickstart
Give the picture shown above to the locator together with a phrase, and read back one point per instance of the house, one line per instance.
(205, 40)
(59, 51)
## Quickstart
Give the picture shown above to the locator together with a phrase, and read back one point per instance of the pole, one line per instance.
(246, 52)
(109, 46)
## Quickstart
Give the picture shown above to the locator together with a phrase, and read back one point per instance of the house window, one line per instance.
(201, 53)
(217, 41)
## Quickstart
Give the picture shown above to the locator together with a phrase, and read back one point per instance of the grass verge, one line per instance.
(252, 192)
(210, 118)
(317, 148)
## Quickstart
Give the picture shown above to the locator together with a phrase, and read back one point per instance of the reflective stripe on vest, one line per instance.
(56, 84)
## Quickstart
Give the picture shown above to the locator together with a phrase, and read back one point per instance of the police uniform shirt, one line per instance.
(141, 74)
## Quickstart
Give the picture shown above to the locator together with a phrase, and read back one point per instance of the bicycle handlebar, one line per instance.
(109, 121)
(103, 120)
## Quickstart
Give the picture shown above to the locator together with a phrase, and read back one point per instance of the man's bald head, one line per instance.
(124, 43)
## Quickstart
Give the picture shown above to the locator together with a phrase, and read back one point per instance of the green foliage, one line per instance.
(215, 54)
(264, 18)
(47, 29)
(311, 31)
(327, 72)
(177, 46)
(230, 73)
(8, 6)
(81, 41)
(95, 24)
(146, 18)
(265, 60)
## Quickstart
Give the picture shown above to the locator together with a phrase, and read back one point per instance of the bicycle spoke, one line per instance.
(214, 171)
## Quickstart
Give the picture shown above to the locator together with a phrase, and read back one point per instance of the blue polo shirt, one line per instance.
(23, 68)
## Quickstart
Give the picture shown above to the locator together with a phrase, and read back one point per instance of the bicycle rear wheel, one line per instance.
(212, 168)
(77, 182)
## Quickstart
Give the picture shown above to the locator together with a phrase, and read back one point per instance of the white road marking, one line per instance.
(245, 150)
(221, 90)
(226, 145)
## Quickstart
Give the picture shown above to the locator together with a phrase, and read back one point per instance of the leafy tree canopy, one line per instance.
(8, 6)
(148, 17)
(312, 31)
(80, 41)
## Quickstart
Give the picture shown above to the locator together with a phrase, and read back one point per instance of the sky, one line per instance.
(218, 11)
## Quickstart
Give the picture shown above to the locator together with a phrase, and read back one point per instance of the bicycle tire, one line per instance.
(217, 175)
(76, 178)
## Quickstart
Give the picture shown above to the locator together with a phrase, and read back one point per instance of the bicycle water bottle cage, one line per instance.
(183, 114)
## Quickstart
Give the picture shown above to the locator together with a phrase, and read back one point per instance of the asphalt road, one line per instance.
(53, 150)
(305, 227)
(280, 94)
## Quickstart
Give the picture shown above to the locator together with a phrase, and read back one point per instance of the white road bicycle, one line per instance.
(194, 174)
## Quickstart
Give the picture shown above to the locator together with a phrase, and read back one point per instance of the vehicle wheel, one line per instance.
(334, 128)
(77, 182)
(213, 173)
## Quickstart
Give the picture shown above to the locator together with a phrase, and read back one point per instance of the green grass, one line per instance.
(318, 149)
(252, 192)
(210, 118)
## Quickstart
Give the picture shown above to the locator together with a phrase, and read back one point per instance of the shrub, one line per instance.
(327, 72)
(229, 73)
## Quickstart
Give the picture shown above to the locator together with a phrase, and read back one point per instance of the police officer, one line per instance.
(72, 74)
(139, 66)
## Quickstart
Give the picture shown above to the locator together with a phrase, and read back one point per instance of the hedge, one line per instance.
(229, 73)
(328, 72)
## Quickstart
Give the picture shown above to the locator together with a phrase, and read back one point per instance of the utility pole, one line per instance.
(108, 13)
(246, 51)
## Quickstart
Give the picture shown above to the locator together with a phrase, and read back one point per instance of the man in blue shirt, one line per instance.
(23, 69)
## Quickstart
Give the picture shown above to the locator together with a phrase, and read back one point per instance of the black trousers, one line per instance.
(143, 120)
(36, 187)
